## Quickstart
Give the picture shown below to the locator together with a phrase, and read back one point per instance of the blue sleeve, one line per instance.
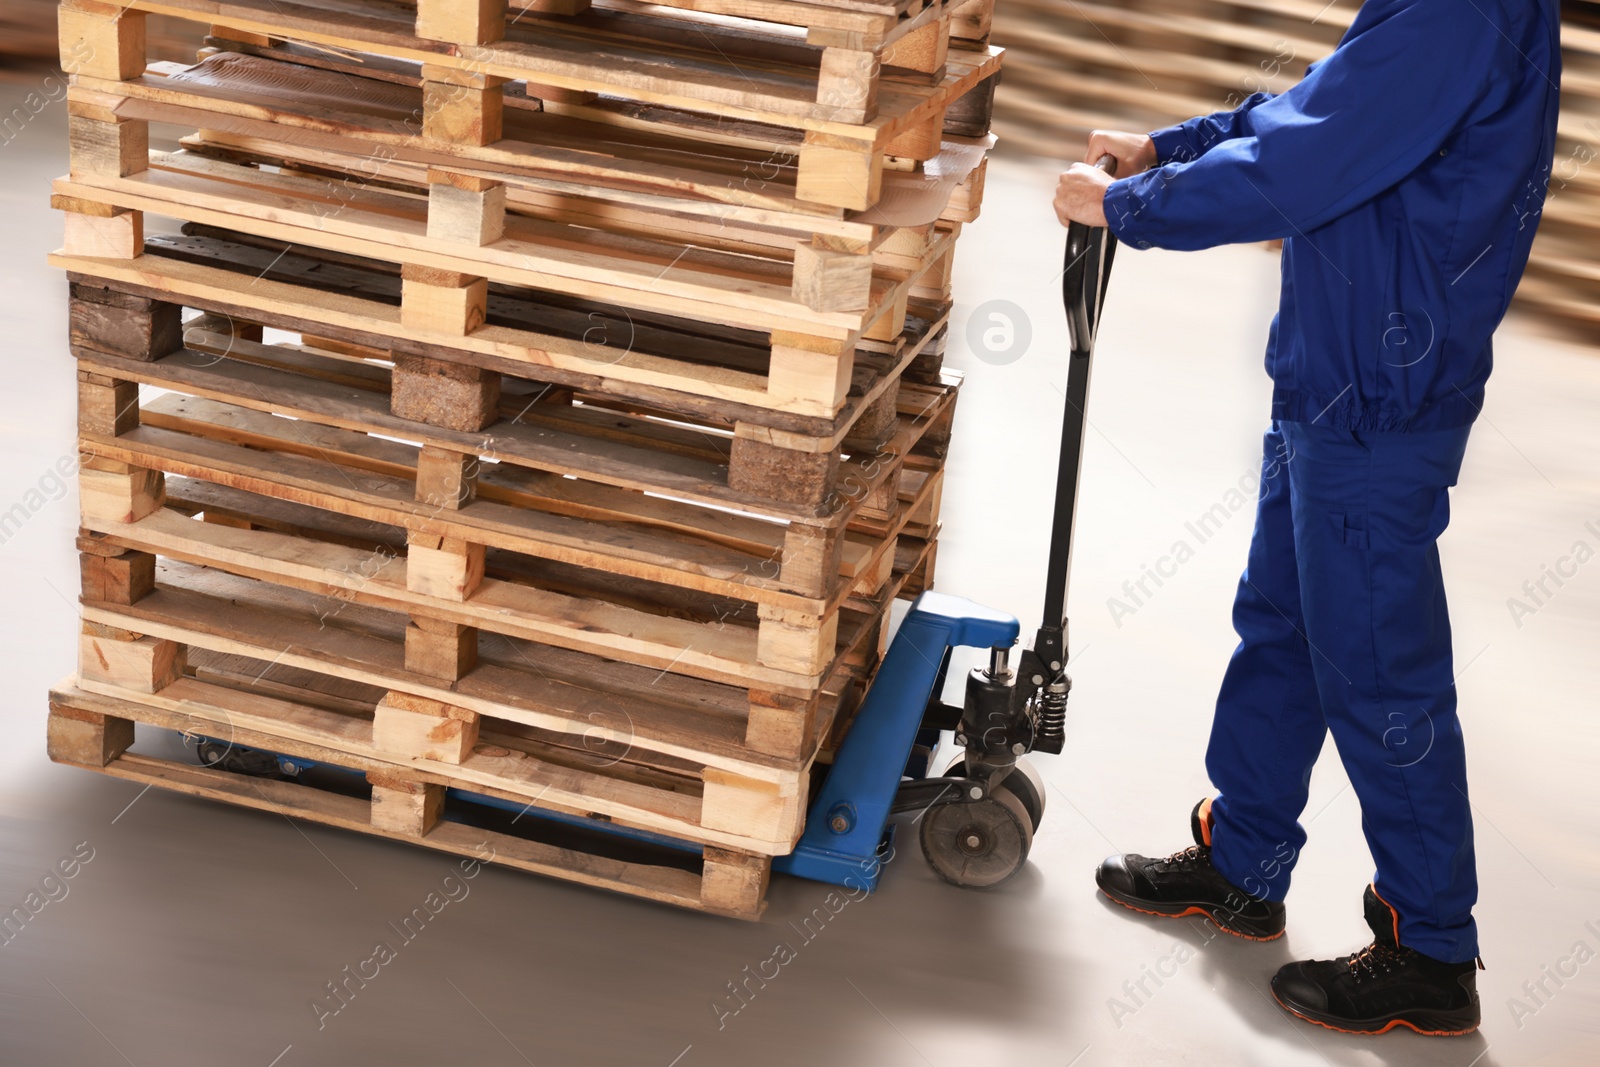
(1359, 122)
(1190, 140)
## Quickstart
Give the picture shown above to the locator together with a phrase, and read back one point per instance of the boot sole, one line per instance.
(1429, 1024)
(1180, 910)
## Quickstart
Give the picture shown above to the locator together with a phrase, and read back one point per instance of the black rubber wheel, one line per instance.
(1026, 783)
(977, 844)
(235, 759)
(211, 753)
(1023, 782)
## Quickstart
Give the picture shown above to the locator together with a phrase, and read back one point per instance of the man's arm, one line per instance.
(1136, 152)
(1190, 140)
(1360, 121)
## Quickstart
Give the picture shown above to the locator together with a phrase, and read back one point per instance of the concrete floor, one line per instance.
(199, 934)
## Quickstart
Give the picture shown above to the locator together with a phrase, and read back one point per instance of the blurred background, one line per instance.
(196, 933)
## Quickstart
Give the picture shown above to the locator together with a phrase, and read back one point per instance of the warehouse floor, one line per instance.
(192, 933)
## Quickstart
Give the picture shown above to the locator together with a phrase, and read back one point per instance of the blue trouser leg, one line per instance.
(1268, 727)
(1365, 512)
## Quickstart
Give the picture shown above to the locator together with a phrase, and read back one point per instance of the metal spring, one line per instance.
(1052, 733)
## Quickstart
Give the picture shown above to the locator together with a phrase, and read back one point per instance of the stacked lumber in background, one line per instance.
(516, 409)
(1563, 278)
(28, 33)
(1143, 64)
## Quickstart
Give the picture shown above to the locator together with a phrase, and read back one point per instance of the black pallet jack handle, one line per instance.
(1090, 251)
(1009, 712)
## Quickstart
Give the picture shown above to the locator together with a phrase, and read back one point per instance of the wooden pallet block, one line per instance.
(94, 732)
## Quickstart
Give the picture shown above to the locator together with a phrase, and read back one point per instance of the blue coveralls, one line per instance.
(1406, 174)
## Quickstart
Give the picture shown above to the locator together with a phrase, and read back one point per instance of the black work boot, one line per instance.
(1185, 883)
(1383, 986)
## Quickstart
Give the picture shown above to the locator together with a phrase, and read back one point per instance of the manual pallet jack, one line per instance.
(977, 819)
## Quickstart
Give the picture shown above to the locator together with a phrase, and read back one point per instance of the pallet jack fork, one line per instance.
(978, 819)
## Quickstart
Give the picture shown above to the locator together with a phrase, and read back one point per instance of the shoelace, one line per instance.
(1186, 858)
(1375, 958)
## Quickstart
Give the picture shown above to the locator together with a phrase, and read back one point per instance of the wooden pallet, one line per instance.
(809, 353)
(94, 731)
(1563, 278)
(1071, 68)
(850, 105)
(709, 374)
(274, 107)
(448, 279)
(556, 168)
(616, 574)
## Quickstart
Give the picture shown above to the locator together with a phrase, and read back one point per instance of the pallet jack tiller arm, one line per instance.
(977, 820)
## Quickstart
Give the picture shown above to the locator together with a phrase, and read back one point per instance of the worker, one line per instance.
(1405, 174)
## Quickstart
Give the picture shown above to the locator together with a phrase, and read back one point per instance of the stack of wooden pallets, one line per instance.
(532, 408)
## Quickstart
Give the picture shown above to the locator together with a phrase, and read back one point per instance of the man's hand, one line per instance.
(1081, 195)
(1081, 192)
(1134, 152)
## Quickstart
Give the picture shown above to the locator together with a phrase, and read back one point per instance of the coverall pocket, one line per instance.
(1351, 528)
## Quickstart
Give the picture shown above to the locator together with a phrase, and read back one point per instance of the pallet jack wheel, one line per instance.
(978, 844)
(237, 760)
(1024, 782)
(211, 753)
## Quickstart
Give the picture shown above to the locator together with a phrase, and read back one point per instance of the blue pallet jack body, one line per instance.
(848, 818)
